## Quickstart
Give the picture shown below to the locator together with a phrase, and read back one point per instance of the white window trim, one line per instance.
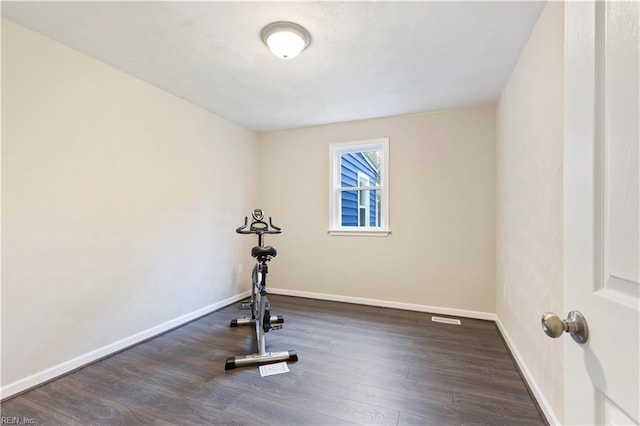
(335, 206)
(363, 181)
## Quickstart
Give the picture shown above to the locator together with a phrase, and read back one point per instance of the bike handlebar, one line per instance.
(258, 226)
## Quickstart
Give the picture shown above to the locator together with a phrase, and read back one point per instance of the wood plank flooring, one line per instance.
(358, 365)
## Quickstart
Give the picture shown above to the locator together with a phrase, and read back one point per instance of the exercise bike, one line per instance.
(261, 316)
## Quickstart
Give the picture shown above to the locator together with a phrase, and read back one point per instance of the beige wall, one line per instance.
(529, 202)
(119, 204)
(441, 251)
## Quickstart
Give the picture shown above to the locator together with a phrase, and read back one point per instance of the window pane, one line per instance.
(360, 208)
(364, 163)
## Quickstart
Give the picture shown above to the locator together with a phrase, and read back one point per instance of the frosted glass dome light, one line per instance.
(285, 39)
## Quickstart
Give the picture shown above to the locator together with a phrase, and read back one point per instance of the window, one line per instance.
(360, 188)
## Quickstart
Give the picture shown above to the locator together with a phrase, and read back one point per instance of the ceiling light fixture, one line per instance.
(285, 39)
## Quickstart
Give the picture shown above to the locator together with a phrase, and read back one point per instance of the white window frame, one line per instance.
(335, 199)
(363, 181)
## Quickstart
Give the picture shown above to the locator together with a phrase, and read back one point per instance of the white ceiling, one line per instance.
(366, 59)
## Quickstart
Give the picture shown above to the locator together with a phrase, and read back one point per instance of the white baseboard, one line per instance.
(75, 363)
(537, 393)
(387, 304)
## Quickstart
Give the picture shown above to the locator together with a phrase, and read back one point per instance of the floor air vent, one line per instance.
(446, 320)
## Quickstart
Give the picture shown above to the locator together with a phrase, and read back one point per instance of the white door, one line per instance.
(602, 204)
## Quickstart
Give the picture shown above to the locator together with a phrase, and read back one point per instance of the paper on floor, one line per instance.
(271, 369)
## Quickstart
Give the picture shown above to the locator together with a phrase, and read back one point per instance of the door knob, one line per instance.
(575, 324)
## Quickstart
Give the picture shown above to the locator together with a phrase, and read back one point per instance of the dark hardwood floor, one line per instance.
(358, 364)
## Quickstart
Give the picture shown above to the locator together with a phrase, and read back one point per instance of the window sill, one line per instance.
(367, 232)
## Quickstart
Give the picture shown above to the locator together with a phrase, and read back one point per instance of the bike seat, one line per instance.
(259, 252)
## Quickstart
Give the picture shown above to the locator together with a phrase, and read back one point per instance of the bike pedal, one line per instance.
(277, 319)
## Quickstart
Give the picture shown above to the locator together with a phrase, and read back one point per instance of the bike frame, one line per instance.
(259, 304)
